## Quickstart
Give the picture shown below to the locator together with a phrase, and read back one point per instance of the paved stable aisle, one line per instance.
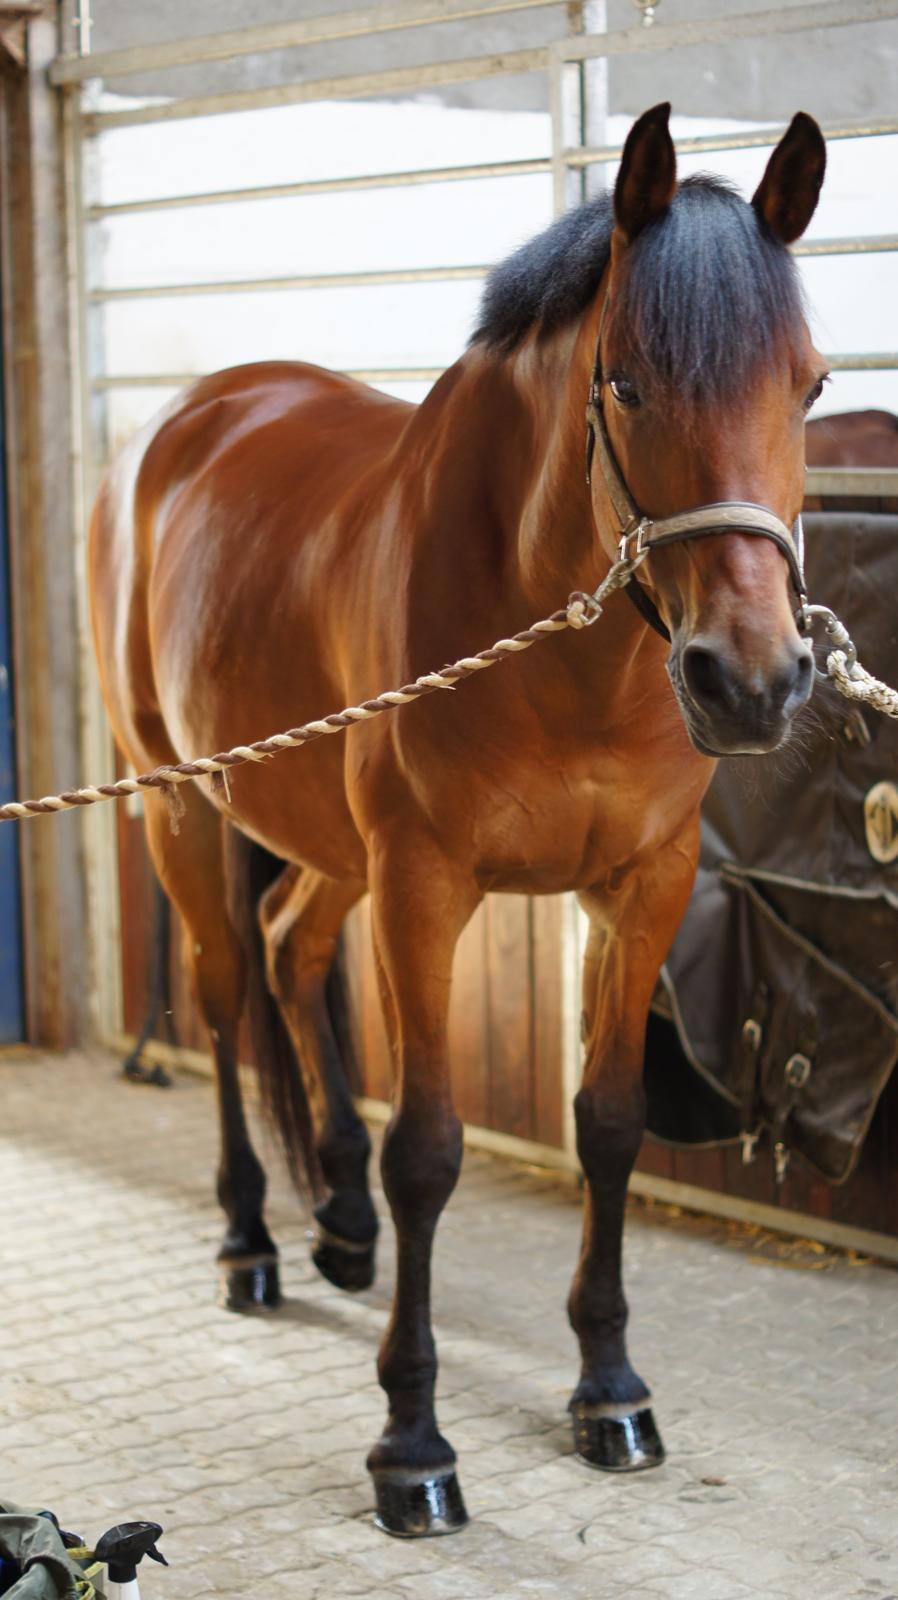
(124, 1392)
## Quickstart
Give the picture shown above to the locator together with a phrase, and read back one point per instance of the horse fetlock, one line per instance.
(609, 1384)
(412, 1445)
(344, 1239)
(246, 1236)
(348, 1215)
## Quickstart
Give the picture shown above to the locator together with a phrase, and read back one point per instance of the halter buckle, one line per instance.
(642, 546)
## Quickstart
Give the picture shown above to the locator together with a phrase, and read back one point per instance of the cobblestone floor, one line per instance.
(124, 1392)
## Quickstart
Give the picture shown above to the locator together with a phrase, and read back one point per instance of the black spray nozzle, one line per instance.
(121, 1548)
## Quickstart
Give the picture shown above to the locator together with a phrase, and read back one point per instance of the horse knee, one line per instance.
(420, 1164)
(609, 1128)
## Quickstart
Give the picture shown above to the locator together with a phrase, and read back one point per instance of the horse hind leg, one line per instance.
(301, 916)
(190, 867)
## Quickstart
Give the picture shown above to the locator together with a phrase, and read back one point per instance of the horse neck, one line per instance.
(499, 526)
(554, 542)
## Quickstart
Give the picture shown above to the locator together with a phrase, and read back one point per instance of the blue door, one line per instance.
(12, 1020)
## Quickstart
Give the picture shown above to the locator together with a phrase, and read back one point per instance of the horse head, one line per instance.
(704, 373)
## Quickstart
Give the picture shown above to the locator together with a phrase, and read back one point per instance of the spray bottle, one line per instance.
(122, 1549)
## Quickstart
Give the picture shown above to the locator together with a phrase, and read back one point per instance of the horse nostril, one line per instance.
(707, 677)
(799, 689)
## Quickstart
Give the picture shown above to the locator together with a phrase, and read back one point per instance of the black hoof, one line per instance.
(250, 1286)
(616, 1440)
(344, 1264)
(410, 1506)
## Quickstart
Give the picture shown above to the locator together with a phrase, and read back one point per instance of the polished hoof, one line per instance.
(616, 1440)
(410, 1506)
(344, 1264)
(250, 1285)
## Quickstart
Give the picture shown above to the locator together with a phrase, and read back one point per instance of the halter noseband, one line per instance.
(639, 534)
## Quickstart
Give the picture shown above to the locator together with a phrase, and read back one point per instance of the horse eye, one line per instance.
(623, 390)
(815, 394)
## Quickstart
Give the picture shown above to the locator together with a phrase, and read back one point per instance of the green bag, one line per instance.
(49, 1571)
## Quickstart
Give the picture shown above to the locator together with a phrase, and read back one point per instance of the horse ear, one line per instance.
(648, 172)
(788, 192)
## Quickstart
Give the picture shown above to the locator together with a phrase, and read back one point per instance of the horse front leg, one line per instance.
(419, 907)
(631, 931)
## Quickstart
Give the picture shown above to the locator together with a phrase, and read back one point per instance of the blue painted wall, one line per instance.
(12, 1019)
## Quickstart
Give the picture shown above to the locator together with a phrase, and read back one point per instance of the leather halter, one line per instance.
(640, 534)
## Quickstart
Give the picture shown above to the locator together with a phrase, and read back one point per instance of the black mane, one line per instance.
(706, 293)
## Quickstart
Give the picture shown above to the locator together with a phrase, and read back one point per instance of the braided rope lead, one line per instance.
(857, 684)
(580, 612)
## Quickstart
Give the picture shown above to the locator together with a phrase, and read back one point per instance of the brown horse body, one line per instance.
(853, 439)
(285, 542)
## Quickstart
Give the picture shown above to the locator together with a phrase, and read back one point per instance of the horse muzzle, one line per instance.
(729, 710)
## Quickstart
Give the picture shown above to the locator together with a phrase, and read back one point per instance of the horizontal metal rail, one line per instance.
(582, 47)
(872, 482)
(538, 165)
(724, 29)
(864, 361)
(354, 86)
(872, 245)
(312, 280)
(711, 143)
(312, 186)
(384, 17)
(858, 362)
(181, 380)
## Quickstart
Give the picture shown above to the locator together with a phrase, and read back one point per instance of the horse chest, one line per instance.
(548, 832)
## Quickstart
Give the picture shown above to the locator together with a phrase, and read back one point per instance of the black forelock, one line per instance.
(705, 293)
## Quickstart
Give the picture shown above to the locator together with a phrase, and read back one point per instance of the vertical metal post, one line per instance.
(578, 97)
(594, 97)
(89, 425)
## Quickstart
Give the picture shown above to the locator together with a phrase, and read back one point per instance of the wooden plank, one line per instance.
(656, 1159)
(510, 1029)
(548, 1074)
(44, 580)
(134, 874)
(469, 1023)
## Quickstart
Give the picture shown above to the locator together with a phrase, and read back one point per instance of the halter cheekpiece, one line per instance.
(640, 534)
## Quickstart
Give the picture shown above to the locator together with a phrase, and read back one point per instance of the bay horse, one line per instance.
(283, 541)
(853, 439)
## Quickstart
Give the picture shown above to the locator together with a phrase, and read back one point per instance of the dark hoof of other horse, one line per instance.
(344, 1264)
(250, 1285)
(412, 1506)
(616, 1440)
(134, 1070)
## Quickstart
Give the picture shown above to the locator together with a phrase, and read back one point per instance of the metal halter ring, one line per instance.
(835, 631)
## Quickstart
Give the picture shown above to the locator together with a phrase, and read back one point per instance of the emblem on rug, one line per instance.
(881, 821)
